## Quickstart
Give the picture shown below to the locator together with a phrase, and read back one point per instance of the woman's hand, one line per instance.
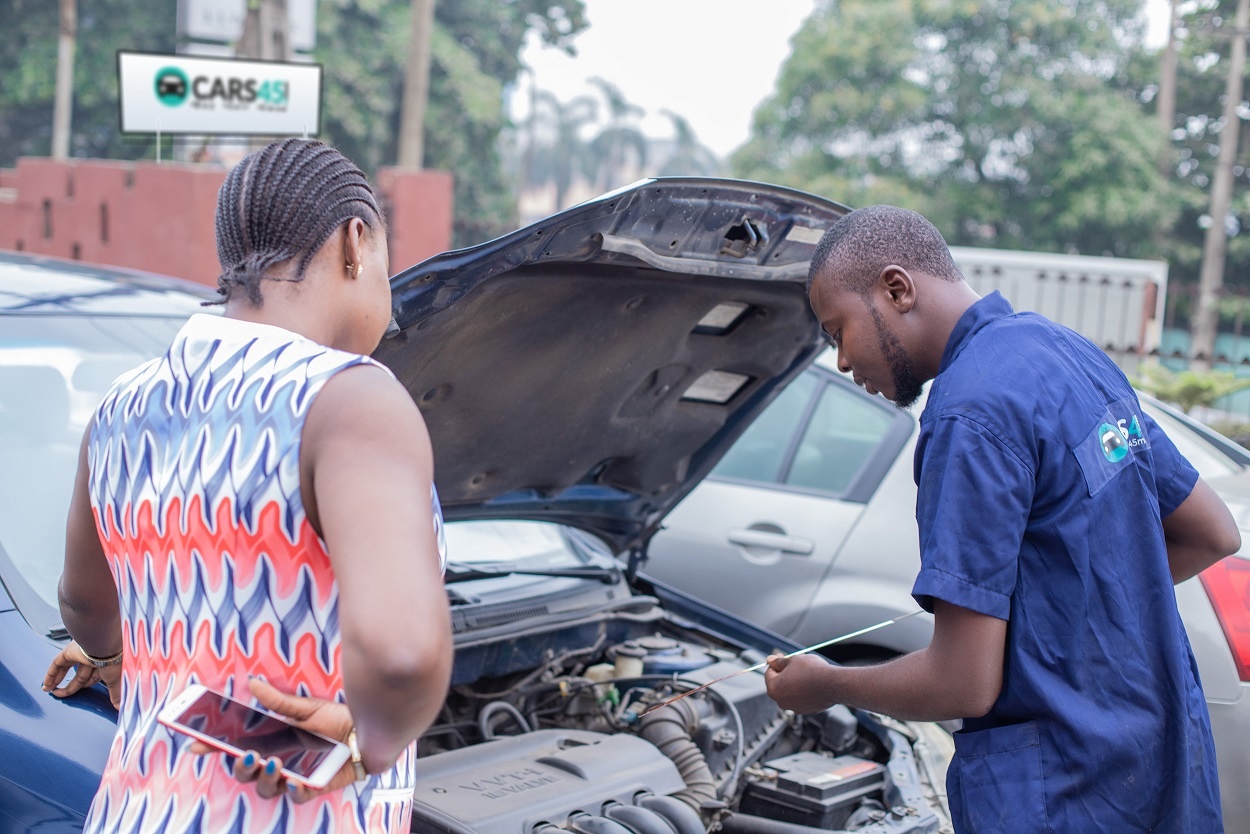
(85, 675)
(313, 714)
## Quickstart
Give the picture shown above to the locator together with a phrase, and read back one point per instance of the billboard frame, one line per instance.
(310, 131)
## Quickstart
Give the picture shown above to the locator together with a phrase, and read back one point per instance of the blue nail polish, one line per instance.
(292, 787)
(249, 760)
(270, 766)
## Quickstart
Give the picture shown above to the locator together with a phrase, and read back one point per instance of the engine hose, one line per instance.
(589, 824)
(751, 824)
(671, 729)
(681, 816)
(488, 712)
(639, 820)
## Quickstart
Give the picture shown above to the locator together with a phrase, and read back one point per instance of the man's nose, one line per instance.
(843, 365)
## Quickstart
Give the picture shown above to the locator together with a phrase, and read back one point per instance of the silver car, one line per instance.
(807, 527)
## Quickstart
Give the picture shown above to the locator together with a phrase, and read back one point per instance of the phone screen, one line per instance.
(244, 728)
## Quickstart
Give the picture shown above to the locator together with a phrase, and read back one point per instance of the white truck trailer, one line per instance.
(1117, 303)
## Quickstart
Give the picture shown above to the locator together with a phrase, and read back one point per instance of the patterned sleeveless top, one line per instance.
(195, 486)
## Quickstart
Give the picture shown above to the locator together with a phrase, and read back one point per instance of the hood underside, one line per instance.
(590, 369)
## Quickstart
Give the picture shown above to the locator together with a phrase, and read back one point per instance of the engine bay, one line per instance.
(552, 726)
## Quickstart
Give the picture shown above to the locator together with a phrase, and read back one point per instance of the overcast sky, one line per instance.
(712, 61)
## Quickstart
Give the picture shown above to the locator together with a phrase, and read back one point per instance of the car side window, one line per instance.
(845, 429)
(760, 452)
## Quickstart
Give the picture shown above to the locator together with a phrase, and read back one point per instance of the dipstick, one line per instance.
(764, 663)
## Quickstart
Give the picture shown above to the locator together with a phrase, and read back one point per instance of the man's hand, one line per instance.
(84, 675)
(802, 683)
(316, 715)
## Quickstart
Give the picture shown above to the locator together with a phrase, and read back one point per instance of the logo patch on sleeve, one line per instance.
(1104, 453)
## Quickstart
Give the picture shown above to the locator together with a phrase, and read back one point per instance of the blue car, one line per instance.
(578, 378)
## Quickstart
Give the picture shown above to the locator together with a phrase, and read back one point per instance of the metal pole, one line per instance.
(416, 87)
(62, 109)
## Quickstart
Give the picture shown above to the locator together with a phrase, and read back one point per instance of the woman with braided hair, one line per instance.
(255, 512)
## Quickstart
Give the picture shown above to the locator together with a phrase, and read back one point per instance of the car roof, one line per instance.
(40, 285)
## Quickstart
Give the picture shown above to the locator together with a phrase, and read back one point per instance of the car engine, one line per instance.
(554, 724)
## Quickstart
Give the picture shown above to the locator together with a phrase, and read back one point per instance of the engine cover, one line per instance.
(508, 785)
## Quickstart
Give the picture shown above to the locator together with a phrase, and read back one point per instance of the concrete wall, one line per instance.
(159, 218)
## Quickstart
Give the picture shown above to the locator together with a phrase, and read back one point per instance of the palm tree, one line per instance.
(619, 138)
(690, 157)
(562, 154)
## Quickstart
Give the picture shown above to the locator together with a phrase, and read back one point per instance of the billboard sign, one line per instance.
(217, 96)
(222, 21)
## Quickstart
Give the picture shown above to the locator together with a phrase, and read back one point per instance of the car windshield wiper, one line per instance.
(461, 572)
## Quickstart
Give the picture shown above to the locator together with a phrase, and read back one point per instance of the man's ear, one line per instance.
(899, 288)
(353, 246)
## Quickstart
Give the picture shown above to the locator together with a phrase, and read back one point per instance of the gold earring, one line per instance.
(358, 268)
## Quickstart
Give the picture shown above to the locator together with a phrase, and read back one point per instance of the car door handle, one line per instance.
(771, 541)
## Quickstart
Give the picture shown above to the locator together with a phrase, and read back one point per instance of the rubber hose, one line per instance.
(488, 712)
(750, 824)
(588, 824)
(681, 816)
(672, 729)
(639, 820)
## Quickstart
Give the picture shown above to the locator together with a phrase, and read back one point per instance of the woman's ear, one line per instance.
(354, 246)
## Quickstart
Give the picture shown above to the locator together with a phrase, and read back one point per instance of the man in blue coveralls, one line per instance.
(1054, 517)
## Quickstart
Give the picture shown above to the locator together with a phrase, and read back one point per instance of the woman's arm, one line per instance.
(367, 469)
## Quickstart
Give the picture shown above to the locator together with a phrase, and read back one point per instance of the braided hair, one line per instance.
(282, 203)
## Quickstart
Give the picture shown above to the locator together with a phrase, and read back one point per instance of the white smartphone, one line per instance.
(234, 727)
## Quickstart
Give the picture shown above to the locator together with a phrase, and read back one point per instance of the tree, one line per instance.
(563, 154)
(619, 138)
(475, 50)
(999, 119)
(689, 156)
(28, 62)
(1214, 250)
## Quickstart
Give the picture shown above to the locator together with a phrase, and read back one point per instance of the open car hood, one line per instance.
(591, 368)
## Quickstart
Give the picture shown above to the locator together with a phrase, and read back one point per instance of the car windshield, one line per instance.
(54, 370)
(525, 545)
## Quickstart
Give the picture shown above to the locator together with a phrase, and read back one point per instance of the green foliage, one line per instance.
(999, 119)
(1190, 388)
(475, 51)
(1204, 37)
(1235, 430)
(28, 74)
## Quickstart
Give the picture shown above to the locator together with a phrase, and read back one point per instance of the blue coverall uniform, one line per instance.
(1042, 486)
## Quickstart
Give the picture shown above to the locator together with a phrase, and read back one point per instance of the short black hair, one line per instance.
(869, 239)
(282, 203)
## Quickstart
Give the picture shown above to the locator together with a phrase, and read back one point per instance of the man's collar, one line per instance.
(990, 308)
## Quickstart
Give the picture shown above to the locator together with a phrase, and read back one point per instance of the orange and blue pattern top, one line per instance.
(195, 486)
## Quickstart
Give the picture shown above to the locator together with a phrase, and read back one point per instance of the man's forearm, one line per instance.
(911, 688)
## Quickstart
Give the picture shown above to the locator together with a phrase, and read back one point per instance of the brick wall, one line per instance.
(159, 218)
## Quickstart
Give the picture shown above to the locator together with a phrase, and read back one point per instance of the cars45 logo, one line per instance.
(1114, 443)
(172, 86)
(1132, 431)
(1116, 440)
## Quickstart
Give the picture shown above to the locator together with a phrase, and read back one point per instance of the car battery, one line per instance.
(811, 789)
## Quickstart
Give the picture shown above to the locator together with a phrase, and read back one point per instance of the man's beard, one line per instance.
(907, 388)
